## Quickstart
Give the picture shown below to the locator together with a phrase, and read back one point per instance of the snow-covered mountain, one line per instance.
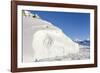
(41, 39)
(83, 43)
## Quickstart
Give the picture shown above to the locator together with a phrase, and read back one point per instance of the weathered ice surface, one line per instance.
(83, 54)
(49, 43)
(42, 41)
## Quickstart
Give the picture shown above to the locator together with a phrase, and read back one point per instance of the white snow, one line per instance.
(42, 41)
(49, 43)
(83, 54)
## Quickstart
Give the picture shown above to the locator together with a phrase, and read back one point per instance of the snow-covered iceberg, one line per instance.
(45, 39)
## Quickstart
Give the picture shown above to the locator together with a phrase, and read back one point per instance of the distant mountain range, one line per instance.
(84, 43)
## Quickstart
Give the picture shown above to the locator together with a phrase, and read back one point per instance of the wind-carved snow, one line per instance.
(48, 41)
(45, 42)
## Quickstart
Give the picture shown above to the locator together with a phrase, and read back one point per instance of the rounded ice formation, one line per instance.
(48, 41)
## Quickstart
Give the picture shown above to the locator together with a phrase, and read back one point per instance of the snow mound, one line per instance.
(52, 43)
(44, 41)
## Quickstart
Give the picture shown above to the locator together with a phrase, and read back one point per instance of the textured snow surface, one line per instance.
(82, 55)
(42, 41)
(51, 43)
